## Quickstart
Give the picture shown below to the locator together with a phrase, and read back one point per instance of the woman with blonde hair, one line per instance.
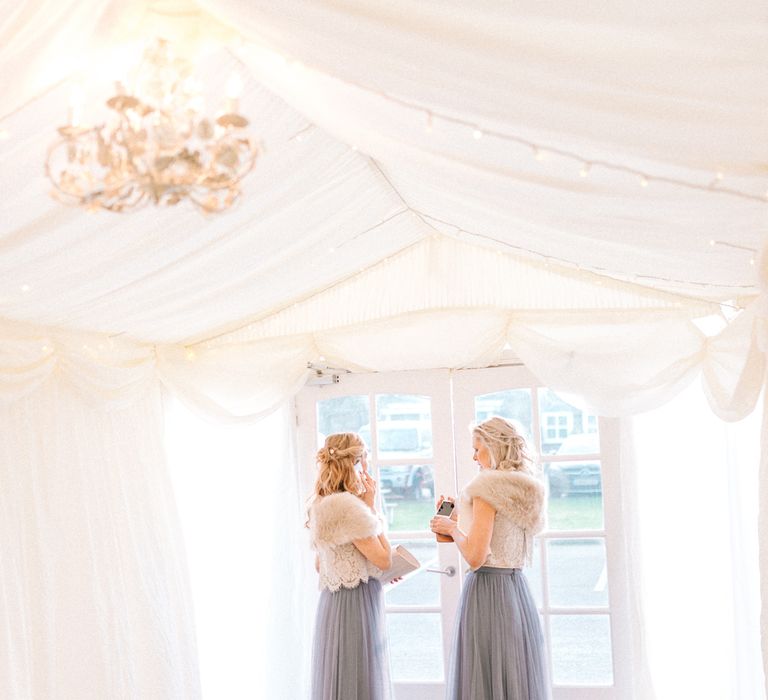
(498, 648)
(349, 653)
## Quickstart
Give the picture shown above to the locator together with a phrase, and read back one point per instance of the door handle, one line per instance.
(447, 571)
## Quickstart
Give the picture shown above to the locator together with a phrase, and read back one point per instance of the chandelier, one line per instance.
(155, 146)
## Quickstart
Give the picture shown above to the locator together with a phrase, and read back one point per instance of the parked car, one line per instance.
(413, 481)
(580, 476)
(403, 440)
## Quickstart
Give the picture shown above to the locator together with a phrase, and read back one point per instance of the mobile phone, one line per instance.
(446, 508)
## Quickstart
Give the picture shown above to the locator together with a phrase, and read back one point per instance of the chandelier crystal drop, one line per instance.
(155, 146)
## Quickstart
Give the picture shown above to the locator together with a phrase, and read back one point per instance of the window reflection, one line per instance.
(342, 414)
(514, 404)
(564, 428)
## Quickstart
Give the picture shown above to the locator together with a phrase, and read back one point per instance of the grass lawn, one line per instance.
(412, 515)
(578, 512)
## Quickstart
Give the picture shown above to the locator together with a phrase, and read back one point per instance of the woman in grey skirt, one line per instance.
(349, 653)
(498, 647)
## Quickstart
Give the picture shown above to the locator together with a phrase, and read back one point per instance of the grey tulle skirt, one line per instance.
(349, 654)
(498, 647)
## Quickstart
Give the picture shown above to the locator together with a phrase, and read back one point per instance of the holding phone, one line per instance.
(446, 508)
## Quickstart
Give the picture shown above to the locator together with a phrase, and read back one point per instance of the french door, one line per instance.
(416, 425)
(577, 577)
(405, 419)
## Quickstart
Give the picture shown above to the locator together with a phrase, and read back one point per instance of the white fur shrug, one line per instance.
(518, 499)
(335, 521)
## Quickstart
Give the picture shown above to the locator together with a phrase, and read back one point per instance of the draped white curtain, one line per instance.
(94, 599)
(251, 568)
(693, 516)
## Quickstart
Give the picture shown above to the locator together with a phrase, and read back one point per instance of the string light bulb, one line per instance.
(643, 181)
(717, 179)
(538, 154)
(477, 134)
(584, 172)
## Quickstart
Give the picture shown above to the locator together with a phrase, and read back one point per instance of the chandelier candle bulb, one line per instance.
(75, 111)
(234, 91)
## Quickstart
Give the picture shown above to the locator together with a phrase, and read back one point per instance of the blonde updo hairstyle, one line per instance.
(336, 461)
(506, 445)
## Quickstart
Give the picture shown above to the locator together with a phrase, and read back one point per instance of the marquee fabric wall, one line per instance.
(94, 596)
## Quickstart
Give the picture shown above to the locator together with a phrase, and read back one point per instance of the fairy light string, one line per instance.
(584, 165)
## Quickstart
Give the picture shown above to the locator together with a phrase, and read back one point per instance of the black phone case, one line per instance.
(446, 508)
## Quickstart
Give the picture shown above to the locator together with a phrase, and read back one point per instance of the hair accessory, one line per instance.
(332, 450)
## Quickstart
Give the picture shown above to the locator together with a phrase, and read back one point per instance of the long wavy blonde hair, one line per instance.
(506, 445)
(336, 461)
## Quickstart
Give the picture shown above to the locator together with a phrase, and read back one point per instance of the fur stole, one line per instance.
(518, 495)
(340, 518)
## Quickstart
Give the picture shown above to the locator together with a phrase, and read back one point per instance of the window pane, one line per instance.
(577, 573)
(576, 430)
(514, 404)
(407, 492)
(416, 646)
(575, 495)
(343, 414)
(581, 650)
(403, 426)
(422, 587)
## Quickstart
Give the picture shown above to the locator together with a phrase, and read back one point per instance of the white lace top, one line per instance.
(334, 522)
(518, 499)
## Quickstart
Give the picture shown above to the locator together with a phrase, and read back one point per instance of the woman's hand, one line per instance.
(443, 524)
(454, 512)
(369, 486)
